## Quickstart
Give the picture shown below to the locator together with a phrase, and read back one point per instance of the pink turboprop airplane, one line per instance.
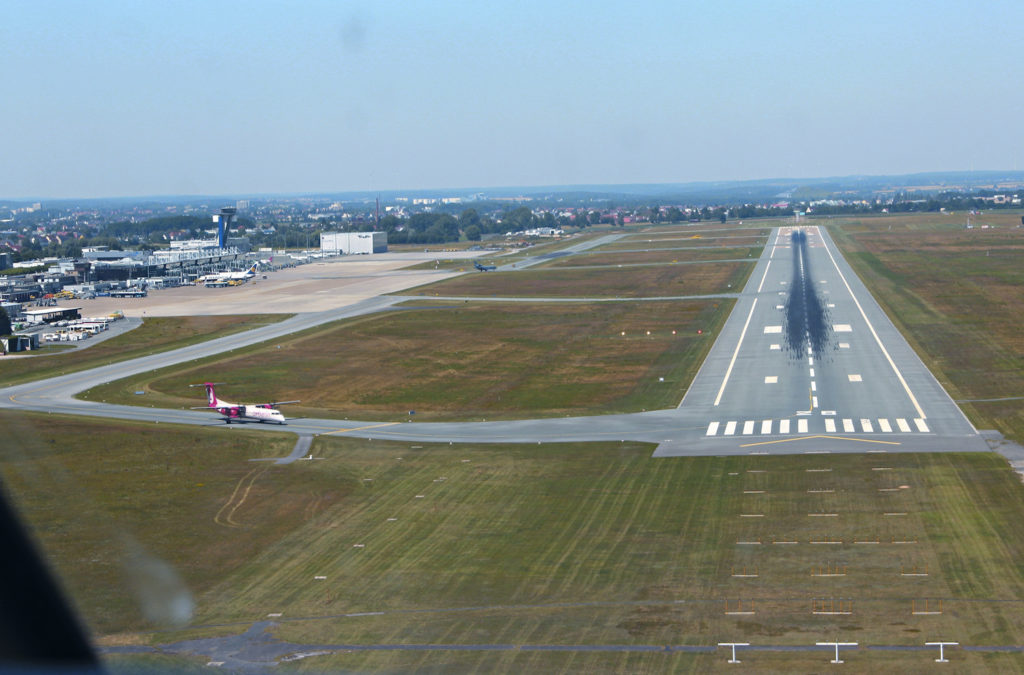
(234, 412)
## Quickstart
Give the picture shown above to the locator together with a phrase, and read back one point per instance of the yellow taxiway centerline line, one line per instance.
(807, 438)
(371, 426)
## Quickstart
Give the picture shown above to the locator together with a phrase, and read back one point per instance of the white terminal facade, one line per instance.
(352, 243)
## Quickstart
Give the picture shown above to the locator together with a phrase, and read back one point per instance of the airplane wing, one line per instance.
(277, 403)
(231, 409)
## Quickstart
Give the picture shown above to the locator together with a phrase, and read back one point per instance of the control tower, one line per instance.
(223, 219)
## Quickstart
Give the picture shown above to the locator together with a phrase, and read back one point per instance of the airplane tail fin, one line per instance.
(211, 395)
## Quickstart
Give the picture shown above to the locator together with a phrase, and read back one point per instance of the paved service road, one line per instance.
(807, 362)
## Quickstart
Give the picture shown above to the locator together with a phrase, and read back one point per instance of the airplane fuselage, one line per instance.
(250, 413)
(235, 412)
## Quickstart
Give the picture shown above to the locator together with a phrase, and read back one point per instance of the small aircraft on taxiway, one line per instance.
(240, 412)
(484, 268)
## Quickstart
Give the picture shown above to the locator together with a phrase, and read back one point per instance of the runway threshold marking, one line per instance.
(739, 343)
(878, 340)
(811, 438)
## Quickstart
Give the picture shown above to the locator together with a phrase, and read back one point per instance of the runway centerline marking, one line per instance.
(871, 328)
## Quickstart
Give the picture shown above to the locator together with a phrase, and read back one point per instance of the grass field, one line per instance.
(460, 264)
(468, 361)
(556, 544)
(669, 280)
(154, 335)
(506, 256)
(956, 295)
(761, 228)
(105, 497)
(564, 544)
(601, 257)
(682, 242)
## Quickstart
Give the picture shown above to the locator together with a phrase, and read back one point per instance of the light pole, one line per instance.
(941, 645)
(837, 645)
(734, 645)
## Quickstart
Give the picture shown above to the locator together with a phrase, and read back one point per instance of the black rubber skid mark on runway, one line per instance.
(808, 322)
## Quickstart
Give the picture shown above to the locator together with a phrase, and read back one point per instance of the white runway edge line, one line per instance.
(878, 340)
(739, 343)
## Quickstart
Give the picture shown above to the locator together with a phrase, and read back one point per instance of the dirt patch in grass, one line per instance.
(468, 361)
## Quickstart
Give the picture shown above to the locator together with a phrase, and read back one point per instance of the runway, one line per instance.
(849, 383)
(806, 363)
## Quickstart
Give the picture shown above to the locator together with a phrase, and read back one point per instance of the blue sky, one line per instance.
(159, 98)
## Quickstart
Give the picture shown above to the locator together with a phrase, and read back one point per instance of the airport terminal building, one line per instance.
(352, 243)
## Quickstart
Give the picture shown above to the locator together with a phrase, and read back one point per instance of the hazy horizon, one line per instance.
(975, 179)
(121, 100)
